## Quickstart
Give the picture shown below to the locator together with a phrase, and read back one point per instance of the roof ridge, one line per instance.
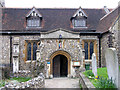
(50, 8)
(109, 13)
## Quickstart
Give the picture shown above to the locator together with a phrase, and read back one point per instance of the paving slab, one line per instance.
(62, 83)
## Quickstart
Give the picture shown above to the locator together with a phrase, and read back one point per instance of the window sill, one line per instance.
(79, 27)
(33, 27)
(88, 60)
(28, 61)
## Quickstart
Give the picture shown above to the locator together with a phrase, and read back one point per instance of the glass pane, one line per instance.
(86, 50)
(33, 22)
(34, 50)
(28, 22)
(79, 23)
(29, 51)
(91, 49)
(38, 23)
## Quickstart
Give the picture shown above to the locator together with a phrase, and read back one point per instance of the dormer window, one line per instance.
(33, 22)
(34, 18)
(79, 19)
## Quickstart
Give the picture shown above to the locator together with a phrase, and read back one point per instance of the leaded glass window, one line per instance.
(79, 23)
(29, 51)
(34, 50)
(91, 49)
(86, 50)
(33, 22)
(31, 48)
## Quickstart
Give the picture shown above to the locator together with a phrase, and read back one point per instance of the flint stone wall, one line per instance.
(38, 82)
(23, 65)
(115, 30)
(5, 49)
(72, 46)
(22, 73)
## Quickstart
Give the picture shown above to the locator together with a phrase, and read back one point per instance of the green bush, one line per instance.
(89, 73)
(105, 83)
(6, 73)
(2, 83)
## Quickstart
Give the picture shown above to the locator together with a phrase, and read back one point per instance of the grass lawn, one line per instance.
(19, 79)
(102, 72)
(119, 67)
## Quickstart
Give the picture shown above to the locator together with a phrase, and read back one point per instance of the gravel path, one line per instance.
(62, 83)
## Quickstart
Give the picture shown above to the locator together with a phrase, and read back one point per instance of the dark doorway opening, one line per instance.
(60, 66)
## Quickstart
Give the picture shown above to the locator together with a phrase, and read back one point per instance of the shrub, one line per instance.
(5, 73)
(89, 73)
(2, 83)
(105, 83)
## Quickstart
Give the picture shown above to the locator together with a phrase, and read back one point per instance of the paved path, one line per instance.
(62, 83)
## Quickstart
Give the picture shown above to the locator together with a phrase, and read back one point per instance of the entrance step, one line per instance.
(62, 82)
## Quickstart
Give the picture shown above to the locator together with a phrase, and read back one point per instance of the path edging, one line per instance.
(84, 81)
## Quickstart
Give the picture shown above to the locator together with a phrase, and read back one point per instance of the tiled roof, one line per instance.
(15, 18)
(106, 22)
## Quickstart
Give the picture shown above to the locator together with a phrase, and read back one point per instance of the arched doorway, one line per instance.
(66, 59)
(60, 66)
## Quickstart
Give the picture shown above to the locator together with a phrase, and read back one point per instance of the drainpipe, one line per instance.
(10, 51)
(100, 49)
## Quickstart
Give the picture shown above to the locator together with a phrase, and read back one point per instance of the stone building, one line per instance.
(64, 39)
(109, 25)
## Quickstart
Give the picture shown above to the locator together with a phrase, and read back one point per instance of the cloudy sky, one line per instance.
(61, 3)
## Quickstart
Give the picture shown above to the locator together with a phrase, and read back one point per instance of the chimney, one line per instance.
(2, 3)
(106, 9)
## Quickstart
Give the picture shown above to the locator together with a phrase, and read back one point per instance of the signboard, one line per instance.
(48, 62)
(76, 63)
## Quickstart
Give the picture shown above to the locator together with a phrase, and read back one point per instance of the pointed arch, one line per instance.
(67, 55)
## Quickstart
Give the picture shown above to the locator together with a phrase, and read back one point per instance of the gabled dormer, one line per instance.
(33, 19)
(79, 19)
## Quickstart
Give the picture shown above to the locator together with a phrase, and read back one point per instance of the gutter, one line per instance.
(90, 33)
(19, 33)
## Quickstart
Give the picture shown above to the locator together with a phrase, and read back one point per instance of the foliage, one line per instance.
(6, 73)
(36, 67)
(80, 85)
(105, 83)
(40, 67)
(2, 83)
(21, 79)
(88, 73)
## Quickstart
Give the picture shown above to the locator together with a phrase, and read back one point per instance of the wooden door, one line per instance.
(56, 66)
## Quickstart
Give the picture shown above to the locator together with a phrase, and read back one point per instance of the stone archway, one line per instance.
(67, 55)
(60, 66)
